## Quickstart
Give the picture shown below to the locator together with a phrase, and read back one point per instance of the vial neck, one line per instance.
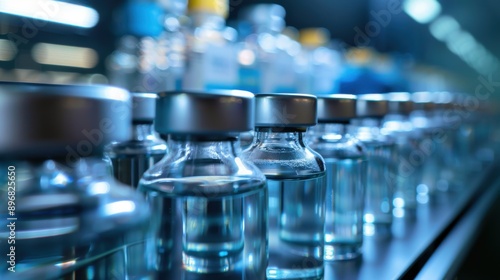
(329, 128)
(207, 146)
(144, 132)
(326, 132)
(280, 134)
(367, 122)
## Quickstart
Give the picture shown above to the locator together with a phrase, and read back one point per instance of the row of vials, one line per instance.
(320, 174)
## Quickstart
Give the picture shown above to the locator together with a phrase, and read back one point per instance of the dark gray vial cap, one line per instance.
(143, 107)
(400, 103)
(44, 121)
(336, 107)
(372, 105)
(202, 113)
(285, 110)
(423, 100)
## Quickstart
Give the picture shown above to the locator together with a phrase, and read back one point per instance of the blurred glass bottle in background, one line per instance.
(211, 51)
(423, 120)
(275, 51)
(410, 159)
(452, 123)
(248, 60)
(295, 178)
(346, 168)
(248, 69)
(150, 52)
(382, 159)
(171, 49)
(460, 119)
(130, 159)
(70, 219)
(323, 64)
(210, 205)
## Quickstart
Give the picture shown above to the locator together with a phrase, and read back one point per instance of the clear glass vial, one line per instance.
(296, 181)
(130, 159)
(210, 204)
(346, 167)
(460, 117)
(149, 56)
(275, 60)
(68, 217)
(411, 158)
(423, 120)
(211, 53)
(381, 169)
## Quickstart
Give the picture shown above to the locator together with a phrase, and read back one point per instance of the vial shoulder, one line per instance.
(286, 162)
(178, 166)
(134, 147)
(343, 147)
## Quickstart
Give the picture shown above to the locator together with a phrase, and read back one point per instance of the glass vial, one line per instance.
(346, 167)
(130, 159)
(381, 169)
(211, 54)
(296, 181)
(433, 139)
(149, 56)
(71, 219)
(275, 52)
(410, 160)
(210, 205)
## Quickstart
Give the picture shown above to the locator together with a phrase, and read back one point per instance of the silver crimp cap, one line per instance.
(372, 105)
(204, 113)
(400, 103)
(423, 101)
(336, 107)
(48, 120)
(143, 107)
(285, 110)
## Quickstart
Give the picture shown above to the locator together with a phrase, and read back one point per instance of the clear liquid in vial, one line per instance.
(346, 179)
(379, 192)
(129, 168)
(208, 230)
(296, 224)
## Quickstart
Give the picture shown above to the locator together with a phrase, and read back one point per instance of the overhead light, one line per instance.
(460, 42)
(8, 50)
(423, 11)
(443, 27)
(63, 55)
(53, 11)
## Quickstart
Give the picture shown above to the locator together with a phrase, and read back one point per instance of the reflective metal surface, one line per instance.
(285, 110)
(204, 112)
(371, 105)
(143, 107)
(336, 107)
(42, 120)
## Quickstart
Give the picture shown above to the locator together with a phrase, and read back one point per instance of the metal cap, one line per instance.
(285, 110)
(218, 112)
(336, 107)
(400, 103)
(444, 100)
(143, 107)
(423, 101)
(372, 105)
(48, 121)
